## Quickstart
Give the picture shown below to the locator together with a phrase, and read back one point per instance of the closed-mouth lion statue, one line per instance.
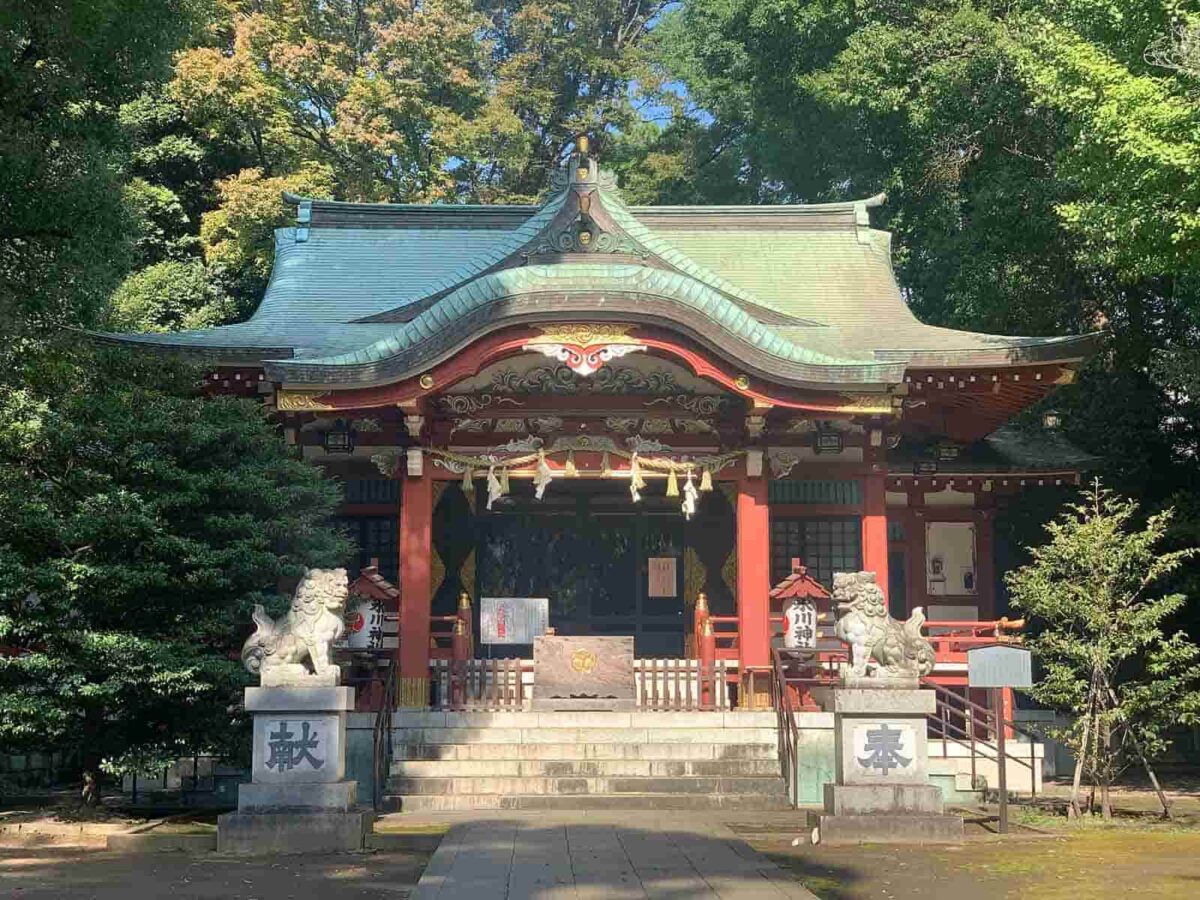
(898, 648)
(278, 649)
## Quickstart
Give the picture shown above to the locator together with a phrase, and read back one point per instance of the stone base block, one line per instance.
(308, 698)
(885, 799)
(887, 829)
(338, 796)
(583, 704)
(879, 681)
(251, 834)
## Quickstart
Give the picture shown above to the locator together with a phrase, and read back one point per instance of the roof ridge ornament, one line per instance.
(584, 226)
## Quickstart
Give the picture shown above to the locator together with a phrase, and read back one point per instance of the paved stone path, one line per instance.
(557, 859)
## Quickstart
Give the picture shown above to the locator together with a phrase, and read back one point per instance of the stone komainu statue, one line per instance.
(898, 648)
(277, 650)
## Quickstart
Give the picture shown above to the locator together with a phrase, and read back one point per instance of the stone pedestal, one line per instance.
(882, 790)
(299, 800)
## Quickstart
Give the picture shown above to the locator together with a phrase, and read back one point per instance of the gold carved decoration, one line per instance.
(693, 583)
(437, 568)
(867, 404)
(582, 334)
(426, 381)
(583, 662)
(413, 693)
(466, 575)
(1066, 377)
(301, 401)
(742, 383)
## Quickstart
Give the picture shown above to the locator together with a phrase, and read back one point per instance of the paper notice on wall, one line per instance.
(663, 578)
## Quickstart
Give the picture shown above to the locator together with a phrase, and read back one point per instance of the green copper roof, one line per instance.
(804, 295)
(635, 292)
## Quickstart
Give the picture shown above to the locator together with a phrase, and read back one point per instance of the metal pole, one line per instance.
(1001, 757)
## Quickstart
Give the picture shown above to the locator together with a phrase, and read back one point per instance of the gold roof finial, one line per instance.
(582, 144)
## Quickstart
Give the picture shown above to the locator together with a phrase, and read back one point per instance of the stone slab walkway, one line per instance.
(625, 856)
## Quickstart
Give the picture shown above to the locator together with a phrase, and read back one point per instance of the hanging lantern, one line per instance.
(339, 438)
(705, 480)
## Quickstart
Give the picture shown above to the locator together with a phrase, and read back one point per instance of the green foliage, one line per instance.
(370, 100)
(65, 68)
(1040, 161)
(168, 296)
(1100, 615)
(139, 522)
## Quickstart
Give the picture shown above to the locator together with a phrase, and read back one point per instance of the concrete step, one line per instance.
(583, 768)
(489, 784)
(462, 802)
(503, 735)
(581, 751)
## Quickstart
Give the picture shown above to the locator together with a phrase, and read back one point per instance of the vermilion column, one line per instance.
(753, 573)
(416, 587)
(874, 528)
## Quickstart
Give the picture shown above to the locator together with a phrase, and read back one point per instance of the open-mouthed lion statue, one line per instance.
(898, 648)
(277, 650)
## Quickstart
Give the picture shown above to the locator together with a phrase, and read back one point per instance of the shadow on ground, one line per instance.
(536, 859)
(81, 874)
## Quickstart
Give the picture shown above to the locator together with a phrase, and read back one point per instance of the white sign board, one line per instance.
(998, 667)
(663, 580)
(513, 620)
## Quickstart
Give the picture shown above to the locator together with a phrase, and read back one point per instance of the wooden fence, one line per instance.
(507, 684)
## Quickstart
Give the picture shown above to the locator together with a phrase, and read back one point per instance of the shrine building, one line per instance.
(620, 408)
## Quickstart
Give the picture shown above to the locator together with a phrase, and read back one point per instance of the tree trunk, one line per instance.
(89, 758)
(1081, 757)
(1105, 798)
(90, 795)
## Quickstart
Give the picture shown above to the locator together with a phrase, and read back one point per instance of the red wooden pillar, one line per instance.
(753, 573)
(416, 587)
(874, 527)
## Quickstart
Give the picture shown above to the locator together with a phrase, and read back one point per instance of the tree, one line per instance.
(385, 101)
(1100, 617)
(1040, 162)
(168, 296)
(65, 231)
(139, 523)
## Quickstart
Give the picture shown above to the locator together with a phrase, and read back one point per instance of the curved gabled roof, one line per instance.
(801, 294)
(625, 291)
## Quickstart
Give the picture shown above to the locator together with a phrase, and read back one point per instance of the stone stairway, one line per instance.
(444, 761)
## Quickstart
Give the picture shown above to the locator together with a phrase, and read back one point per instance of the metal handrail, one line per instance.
(973, 713)
(785, 720)
(382, 738)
